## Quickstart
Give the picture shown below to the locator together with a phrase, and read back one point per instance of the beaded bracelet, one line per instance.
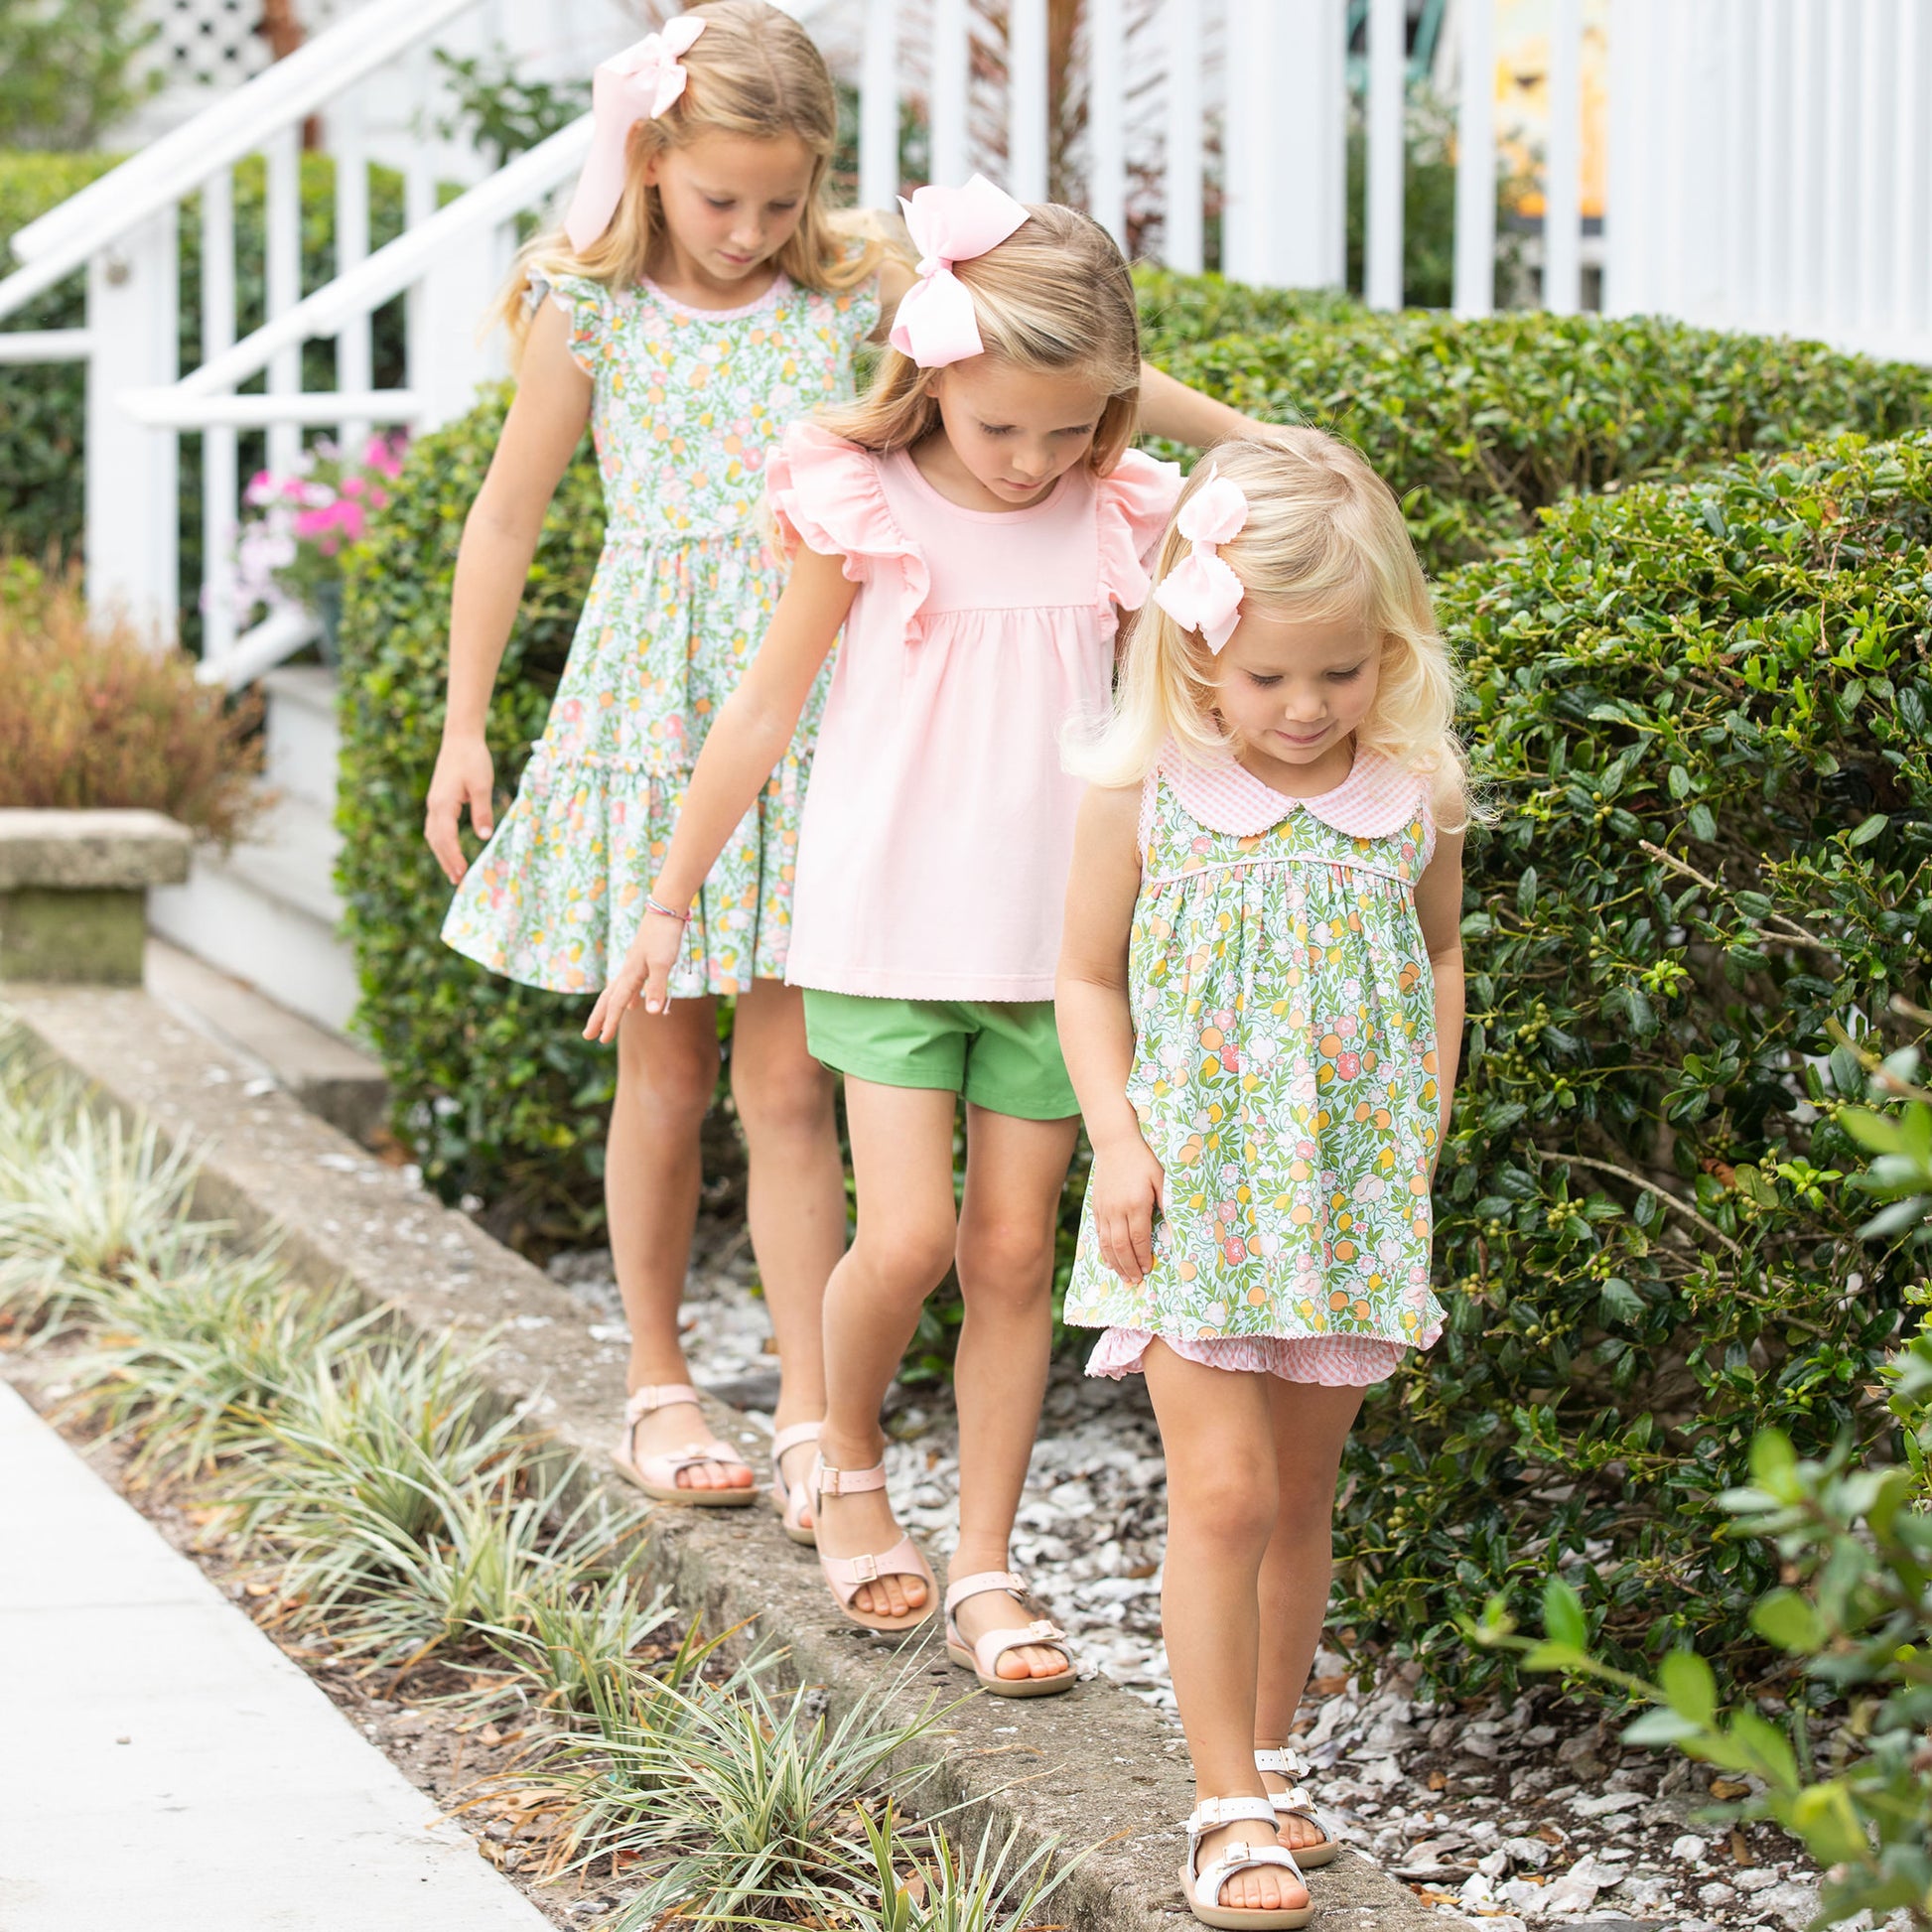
(652, 905)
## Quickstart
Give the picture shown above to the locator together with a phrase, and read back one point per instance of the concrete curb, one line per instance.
(1096, 1764)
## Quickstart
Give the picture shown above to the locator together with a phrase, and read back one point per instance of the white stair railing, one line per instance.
(1770, 167)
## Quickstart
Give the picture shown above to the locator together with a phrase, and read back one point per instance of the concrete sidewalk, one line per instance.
(163, 1765)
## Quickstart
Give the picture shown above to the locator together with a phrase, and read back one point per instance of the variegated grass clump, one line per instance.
(409, 1519)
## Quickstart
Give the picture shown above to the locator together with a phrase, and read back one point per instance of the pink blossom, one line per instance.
(352, 486)
(1226, 1213)
(1348, 1065)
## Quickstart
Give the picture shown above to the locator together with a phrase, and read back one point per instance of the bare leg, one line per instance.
(1217, 1432)
(796, 1208)
(1310, 1427)
(901, 1163)
(667, 1069)
(1014, 1170)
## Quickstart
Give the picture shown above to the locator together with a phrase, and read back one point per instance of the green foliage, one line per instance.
(1479, 425)
(493, 1088)
(1178, 312)
(43, 408)
(1704, 709)
(70, 69)
(504, 113)
(1850, 1618)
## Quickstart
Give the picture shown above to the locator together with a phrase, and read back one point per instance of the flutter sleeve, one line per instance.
(1132, 508)
(586, 303)
(825, 493)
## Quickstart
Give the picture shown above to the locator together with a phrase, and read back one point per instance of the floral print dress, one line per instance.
(1285, 1076)
(687, 403)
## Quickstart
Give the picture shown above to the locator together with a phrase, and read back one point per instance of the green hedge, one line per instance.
(1479, 425)
(1642, 1242)
(43, 409)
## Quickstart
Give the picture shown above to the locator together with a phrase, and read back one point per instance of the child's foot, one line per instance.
(1261, 1888)
(1299, 1830)
(1000, 1609)
(675, 1428)
(795, 1465)
(860, 1522)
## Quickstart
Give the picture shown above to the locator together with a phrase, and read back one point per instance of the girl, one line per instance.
(974, 524)
(700, 298)
(1261, 1001)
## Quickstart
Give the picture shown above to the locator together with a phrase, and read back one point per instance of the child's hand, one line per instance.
(1125, 1189)
(463, 776)
(644, 974)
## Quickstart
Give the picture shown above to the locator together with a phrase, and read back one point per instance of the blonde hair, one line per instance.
(754, 71)
(1056, 297)
(1325, 541)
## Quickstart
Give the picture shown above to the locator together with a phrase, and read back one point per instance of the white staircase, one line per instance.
(266, 912)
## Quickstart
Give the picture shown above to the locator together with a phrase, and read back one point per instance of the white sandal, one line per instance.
(656, 1475)
(1296, 1802)
(983, 1657)
(789, 1499)
(1202, 1890)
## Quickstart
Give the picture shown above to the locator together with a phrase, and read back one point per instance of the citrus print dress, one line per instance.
(1284, 1077)
(687, 403)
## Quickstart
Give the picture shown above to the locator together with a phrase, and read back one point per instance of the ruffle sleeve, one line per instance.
(1132, 508)
(824, 493)
(586, 303)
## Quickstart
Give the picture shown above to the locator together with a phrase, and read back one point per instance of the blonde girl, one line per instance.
(975, 525)
(1259, 998)
(700, 299)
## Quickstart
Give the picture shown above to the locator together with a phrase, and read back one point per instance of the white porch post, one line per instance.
(879, 107)
(453, 300)
(1182, 237)
(1475, 162)
(133, 472)
(1382, 211)
(1562, 183)
(1027, 106)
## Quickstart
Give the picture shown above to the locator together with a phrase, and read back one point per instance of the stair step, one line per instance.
(267, 912)
(323, 1071)
(303, 741)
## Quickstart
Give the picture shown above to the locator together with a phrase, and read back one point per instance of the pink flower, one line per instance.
(1348, 1065)
(1234, 1249)
(352, 486)
(1226, 1213)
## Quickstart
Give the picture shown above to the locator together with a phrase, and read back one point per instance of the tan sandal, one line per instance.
(1202, 1890)
(791, 1499)
(1295, 1802)
(844, 1574)
(983, 1657)
(656, 1475)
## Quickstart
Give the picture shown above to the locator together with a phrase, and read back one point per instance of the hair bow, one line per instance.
(1202, 593)
(635, 85)
(935, 323)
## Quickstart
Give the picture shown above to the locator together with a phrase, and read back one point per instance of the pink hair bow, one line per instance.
(635, 85)
(1202, 593)
(936, 324)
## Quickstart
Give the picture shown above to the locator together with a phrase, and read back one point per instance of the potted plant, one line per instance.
(290, 551)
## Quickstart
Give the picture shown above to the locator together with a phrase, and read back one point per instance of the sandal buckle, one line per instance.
(865, 1569)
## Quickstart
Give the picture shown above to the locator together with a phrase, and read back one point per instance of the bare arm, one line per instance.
(1438, 906)
(1097, 1026)
(1184, 415)
(754, 727)
(499, 538)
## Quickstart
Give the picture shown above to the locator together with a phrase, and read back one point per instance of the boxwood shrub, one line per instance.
(1705, 712)
(1479, 425)
(44, 408)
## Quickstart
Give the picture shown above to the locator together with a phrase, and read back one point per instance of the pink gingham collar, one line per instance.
(1376, 799)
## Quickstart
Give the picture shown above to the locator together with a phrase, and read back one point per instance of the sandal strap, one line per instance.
(787, 1439)
(983, 1584)
(1234, 1859)
(654, 1396)
(828, 1481)
(995, 1643)
(1281, 1764)
(846, 1574)
(663, 1467)
(1212, 1812)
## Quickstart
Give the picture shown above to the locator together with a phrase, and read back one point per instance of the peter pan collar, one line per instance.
(1376, 799)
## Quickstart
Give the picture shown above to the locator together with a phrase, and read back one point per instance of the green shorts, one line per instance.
(1001, 1055)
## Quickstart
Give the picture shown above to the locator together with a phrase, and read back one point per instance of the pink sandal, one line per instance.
(982, 1658)
(845, 1573)
(656, 1475)
(789, 1499)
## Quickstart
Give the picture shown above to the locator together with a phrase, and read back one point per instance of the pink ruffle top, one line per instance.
(938, 825)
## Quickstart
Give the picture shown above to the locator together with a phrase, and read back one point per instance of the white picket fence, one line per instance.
(1771, 169)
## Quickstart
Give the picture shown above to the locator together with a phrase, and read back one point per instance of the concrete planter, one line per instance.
(73, 888)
